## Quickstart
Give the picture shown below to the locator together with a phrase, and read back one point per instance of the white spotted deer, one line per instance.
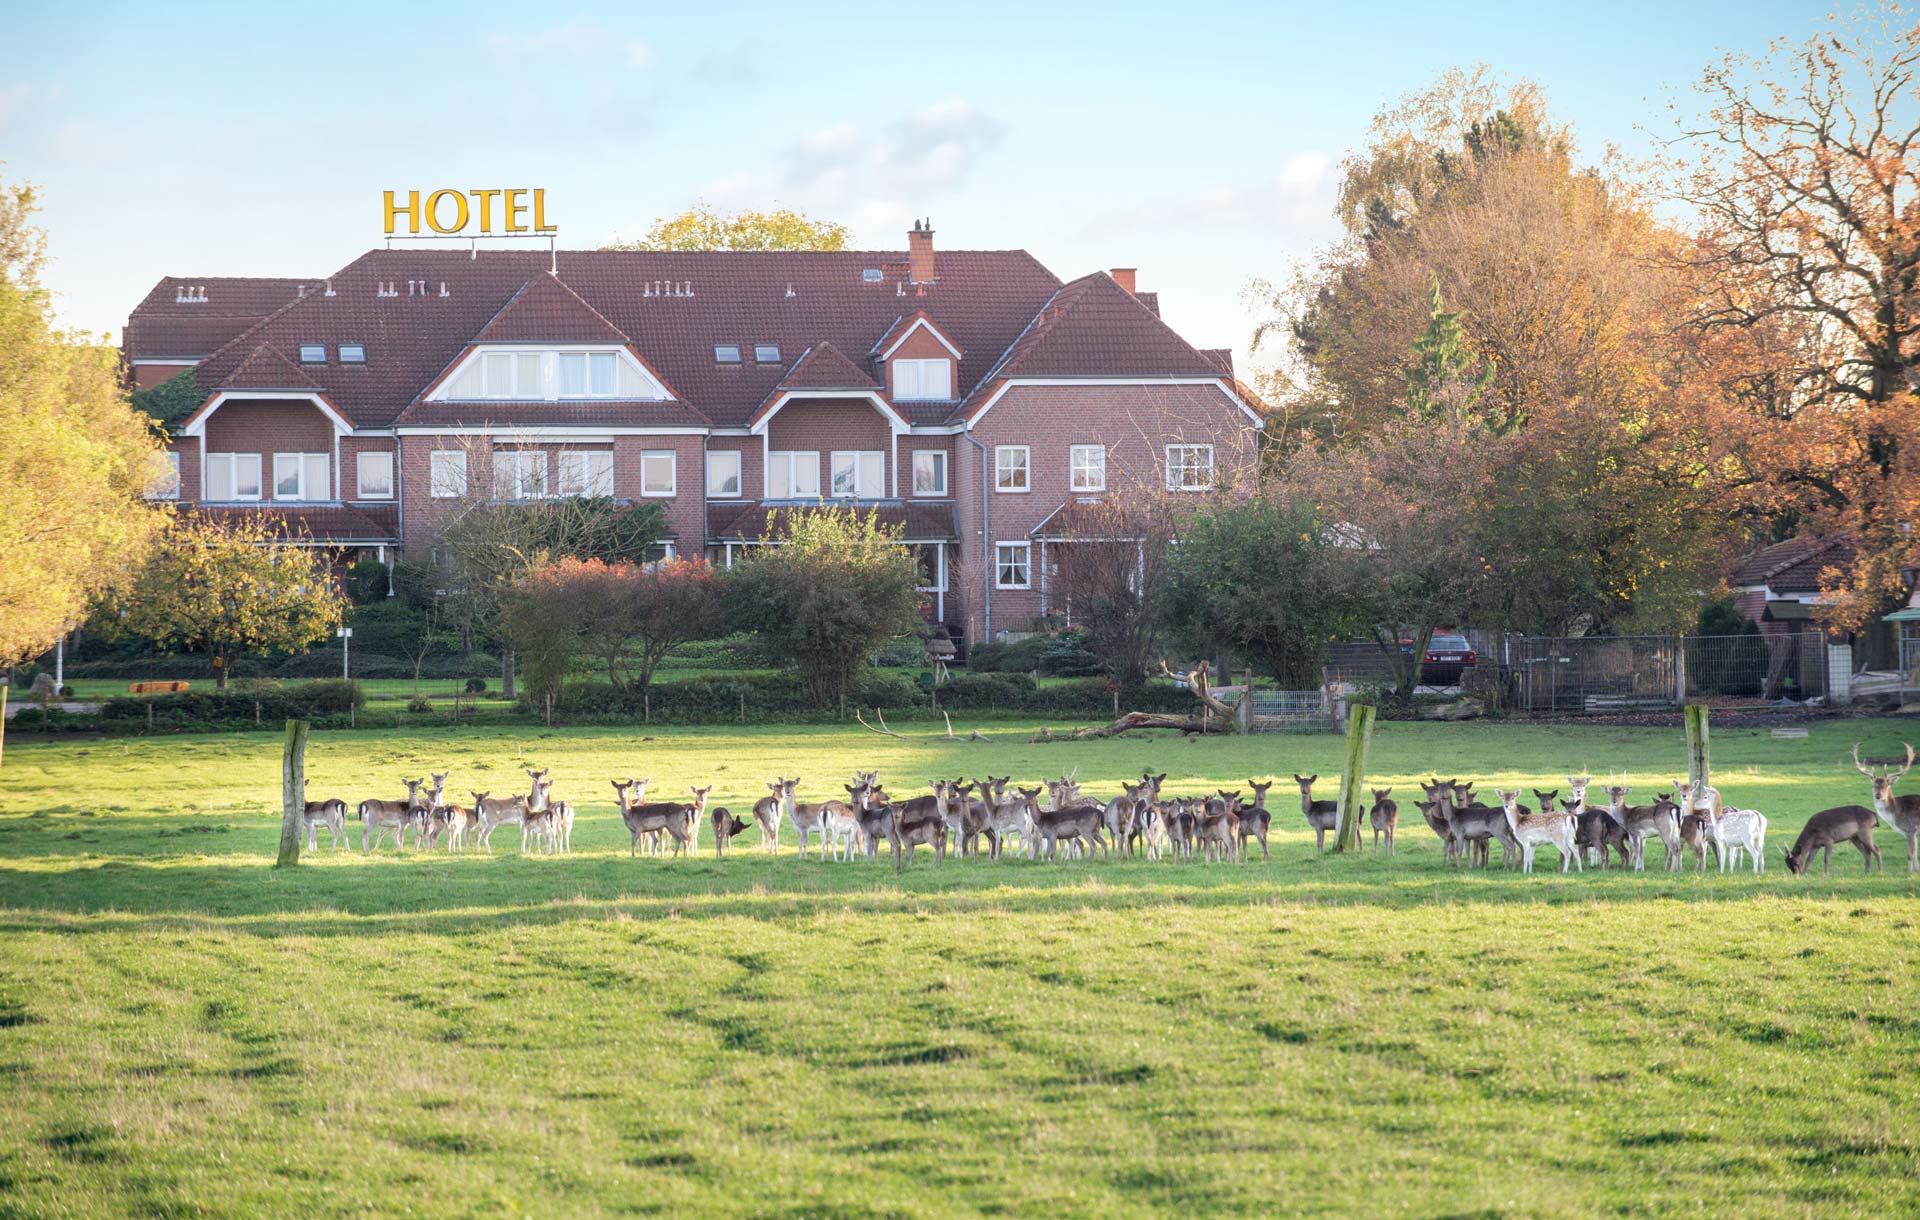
(1530, 830)
(331, 813)
(1900, 812)
(492, 812)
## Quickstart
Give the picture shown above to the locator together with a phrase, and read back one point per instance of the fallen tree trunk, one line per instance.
(1138, 720)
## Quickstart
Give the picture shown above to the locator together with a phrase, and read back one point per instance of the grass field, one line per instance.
(186, 1032)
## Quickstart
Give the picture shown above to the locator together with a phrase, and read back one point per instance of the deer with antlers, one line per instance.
(1900, 812)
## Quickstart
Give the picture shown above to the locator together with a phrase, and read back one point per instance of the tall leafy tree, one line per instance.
(75, 460)
(830, 590)
(1805, 184)
(704, 227)
(228, 589)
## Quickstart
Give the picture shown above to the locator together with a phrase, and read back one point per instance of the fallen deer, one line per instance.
(1322, 816)
(379, 816)
(1900, 812)
(1829, 828)
(1385, 817)
(1530, 829)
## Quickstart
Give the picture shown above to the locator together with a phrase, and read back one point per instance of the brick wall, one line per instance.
(752, 468)
(188, 447)
(147, 376)
(686, 511)
(1135, 423)
(827, 425)
(266, 428)
(903, 455)
(351, 447)
(921, 345)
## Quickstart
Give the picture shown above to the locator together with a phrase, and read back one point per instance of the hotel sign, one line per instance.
(483, 213)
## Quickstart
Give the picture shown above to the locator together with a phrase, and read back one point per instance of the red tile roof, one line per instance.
(186, 317)
(266, 369)
(1794, 566)
(417, 311)
(824, 367)
(919, 522)
(547, 311)
(905, 323)
(341, 523)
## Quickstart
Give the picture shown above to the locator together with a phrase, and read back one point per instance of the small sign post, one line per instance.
(346, 638)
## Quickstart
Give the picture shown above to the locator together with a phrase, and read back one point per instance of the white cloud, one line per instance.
(876, 177)
(1300, 196)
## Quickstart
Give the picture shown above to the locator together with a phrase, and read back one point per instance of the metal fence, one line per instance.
(1639, 673)
(1284, 710)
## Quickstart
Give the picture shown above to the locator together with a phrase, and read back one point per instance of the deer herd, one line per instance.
(1054, 819)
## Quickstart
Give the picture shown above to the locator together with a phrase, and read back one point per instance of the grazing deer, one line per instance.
(806, 818)
(1830, 827)
(1643, 822)
(331, 813)
(379, 816)
(1385, 816)
(1530, 829)
(725, 826)
(767, 811)
(1900, 812)
(1321, 815)
(1256, 820)
(1738, 830)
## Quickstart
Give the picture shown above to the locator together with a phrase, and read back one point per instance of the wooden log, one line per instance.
(1359, 737)
(1137, 720)
(293, 793)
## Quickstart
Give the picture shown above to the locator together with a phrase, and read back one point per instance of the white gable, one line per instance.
(565, 372)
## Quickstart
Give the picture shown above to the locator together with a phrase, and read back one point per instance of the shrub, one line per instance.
(1017, 656)
(476, 686)
(420, 703)
(366, 582)
(903, 653)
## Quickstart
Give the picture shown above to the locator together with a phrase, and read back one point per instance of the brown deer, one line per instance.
(1900, 812)
(1530, 829)
(1385, 816)
(330, 813)
(1322, 816)
(1643, 822)
(767, 811)
(1081, 822)
(1435, 819)
(725, 826)
(1474, 826)
(378, 816)
(495, 812)
(807, 818)
(1830, 827)
(1255, 820)
(926, 826)
(559, 818)
(1595, 830)
(1218, 829)
(644, 819)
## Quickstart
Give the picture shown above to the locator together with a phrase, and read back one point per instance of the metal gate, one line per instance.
(1599, 674)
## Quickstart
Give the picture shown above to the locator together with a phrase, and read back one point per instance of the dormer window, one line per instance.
(766, 353)
(353, 353)
(313, 353)
(533, 374)
(922, 380)
(726, 353)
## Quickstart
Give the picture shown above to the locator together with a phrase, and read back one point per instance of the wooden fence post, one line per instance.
(1697, 745)
(293, 793)
(1359, 736)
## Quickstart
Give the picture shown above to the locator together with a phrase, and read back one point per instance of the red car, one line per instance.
(1449, 656)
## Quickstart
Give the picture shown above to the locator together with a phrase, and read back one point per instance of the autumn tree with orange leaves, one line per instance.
(1806, 178)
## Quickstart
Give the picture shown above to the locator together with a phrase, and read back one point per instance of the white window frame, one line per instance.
(576, 476)
(939, 584)
(517, 364)
(381, 457)
(534, 461)
(303, 465)
(1002, 557)
(737, 474)
(1186, 464)
(911, 382)
(588, 360)
(761, 353)
(941, 457)
(863, 462)
(447, 481)
(169, 488)
(359, 351)
(233, 463)
(792, 460)
(648, 459)
(1075, 465)
(313, 353)
(1002, 468)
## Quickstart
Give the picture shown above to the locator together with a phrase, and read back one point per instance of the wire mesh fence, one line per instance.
(1291, 710)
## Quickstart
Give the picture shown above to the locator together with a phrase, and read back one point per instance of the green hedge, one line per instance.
(760, 696)
(304, 701)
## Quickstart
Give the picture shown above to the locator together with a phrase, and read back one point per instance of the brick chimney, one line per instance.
(1123, 276)
(920, 252)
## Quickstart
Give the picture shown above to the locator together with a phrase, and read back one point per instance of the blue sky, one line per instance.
(1198, 142)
